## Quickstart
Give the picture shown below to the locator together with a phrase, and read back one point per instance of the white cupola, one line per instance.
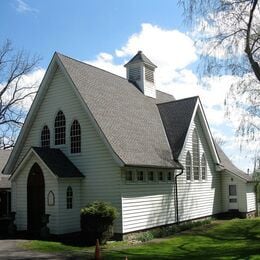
(140, 71)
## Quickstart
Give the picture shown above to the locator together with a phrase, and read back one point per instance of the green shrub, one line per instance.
(97, 221)
(145, 236)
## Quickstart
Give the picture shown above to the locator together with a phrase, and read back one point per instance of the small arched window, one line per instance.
(60, 128)
(69, 197)
(203, 167)
(45, 136)
(75, 137)
(196, 155)
(188, 166)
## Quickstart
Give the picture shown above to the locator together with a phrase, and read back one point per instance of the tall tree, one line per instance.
(228, 34)
(14, 91)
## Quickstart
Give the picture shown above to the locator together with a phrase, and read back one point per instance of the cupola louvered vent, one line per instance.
(140, 71)
(134, 74)
(149, 74)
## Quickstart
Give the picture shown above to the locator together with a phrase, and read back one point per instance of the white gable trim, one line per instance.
(115, 156)
(25, 160)
(31, 114)
(204, 123)
(54, 64)
(234, 175)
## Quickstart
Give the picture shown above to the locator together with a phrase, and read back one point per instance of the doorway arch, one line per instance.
(35, 199)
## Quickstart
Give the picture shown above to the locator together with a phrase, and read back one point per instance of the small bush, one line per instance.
(97, 221)
(145, 236)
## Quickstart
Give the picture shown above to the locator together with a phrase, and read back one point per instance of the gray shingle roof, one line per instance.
(140, 57)
(162, 97)
(129, 120)
(176, 117)
(4, 155)
(229, 166)
(4, 179)
(57, 162)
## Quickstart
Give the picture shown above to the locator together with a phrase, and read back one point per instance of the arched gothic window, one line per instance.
(69, 197)
(196, 155)
(45, 137)
(60, 128)
(75, 137)
(203, 167)
(188, 166)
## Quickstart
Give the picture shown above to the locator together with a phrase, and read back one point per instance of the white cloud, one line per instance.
(28, 83)
(173, 51)
(166, 48)
(23, 7)
(106, 61)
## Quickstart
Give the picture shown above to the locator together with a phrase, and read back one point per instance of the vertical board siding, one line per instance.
(102, 174)
(199, 198)
(147, 205)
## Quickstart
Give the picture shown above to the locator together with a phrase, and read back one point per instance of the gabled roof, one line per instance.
(4, 155)
(4, 178)
(140, 57)
(230, 167)
(129, 120)
(58, 162)
(176, 117)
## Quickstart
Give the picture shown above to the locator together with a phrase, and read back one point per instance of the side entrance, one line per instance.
(35, 199)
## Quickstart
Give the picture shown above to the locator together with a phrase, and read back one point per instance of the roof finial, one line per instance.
(139, 52)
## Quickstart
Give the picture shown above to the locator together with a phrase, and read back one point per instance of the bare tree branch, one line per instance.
(14, 66)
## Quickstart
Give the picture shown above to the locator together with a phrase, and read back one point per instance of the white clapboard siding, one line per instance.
(199, 198)
(19, 195)
(102, 175)
(228, 179)
(147, 205)
(250, 197)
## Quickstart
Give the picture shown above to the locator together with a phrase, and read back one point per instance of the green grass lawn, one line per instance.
(235, 239)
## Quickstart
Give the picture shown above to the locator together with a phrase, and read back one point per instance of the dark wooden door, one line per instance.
(35, 199)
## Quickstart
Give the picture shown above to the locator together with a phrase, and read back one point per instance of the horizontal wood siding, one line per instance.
(147, 205)
(102, 174)
(228, 179)
(199, 198)
(69, 219)
(19, 195)
(250, 197)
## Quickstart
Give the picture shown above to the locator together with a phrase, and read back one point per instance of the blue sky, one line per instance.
(80, 28)
(108, 33)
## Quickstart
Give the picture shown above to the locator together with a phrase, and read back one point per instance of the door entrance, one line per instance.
(35, 199)
(233, 203)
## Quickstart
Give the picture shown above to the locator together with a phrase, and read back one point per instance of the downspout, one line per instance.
(176, 197)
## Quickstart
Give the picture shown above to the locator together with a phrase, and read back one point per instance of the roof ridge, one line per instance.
(178, 100)
(90, 65)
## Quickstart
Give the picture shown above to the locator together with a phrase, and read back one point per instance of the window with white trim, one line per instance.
(160, 176)
(203, 167)
(151, 176)
(45, 137)
(196, 155)
(188, 166)
(69, 197)
(75, 137)
(169, 176)
(60, 128)
(140, 176)
(129, 176)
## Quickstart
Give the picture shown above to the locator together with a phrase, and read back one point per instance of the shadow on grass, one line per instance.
(236, 239)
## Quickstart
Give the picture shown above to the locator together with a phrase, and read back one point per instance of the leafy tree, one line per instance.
(228, 34)
(14, 91)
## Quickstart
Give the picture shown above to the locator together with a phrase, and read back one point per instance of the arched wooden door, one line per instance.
(35, 199)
